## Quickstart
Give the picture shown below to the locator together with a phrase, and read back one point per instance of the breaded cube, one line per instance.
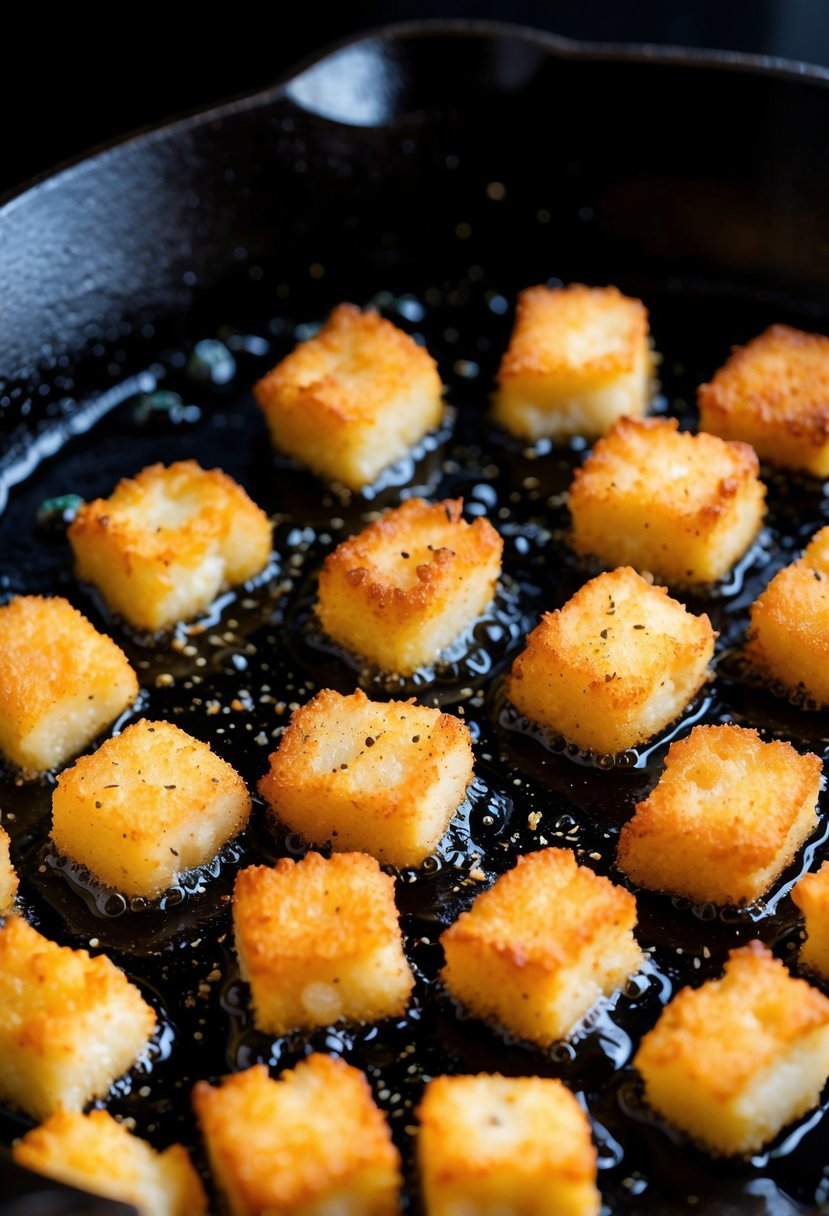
(685, 507)
(311, 1142)
(579, 358)
(353, 399)
(725, 819)
(520, 1145)
(69, 1024)
(146, 806)
(537, 950)
(732, 1062)
(383, 778)
(96, 1153)
(319, 940)
(774, 394)
(811, 895)
(8, 878)
(61, 681)
(401, 590)
(167, 541)
(615, 665)
(788, 636)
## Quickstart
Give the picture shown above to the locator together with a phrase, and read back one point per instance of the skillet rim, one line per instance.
(556, 45)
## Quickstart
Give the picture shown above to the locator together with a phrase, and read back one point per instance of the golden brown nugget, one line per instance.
(312, 1141)
(167, 541)
(353, 399)
(8, 877)
(61, 681)
(537, 950)
(774, 394)
(147, 806)
(684, 507)
(401, 590)
(96, 1153)
(509, 1144)
(382, 778)
(726, 817)
(732, 1062)
(811, 895)
(788, 635)
(579, 359)
(615, 665)
(70, 1024)
(319, 940)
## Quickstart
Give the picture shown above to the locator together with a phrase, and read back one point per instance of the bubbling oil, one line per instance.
(233, 677)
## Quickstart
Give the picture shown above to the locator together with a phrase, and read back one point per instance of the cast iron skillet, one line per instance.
(433, 171)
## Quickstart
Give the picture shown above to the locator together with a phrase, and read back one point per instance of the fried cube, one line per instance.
(312, 1141)
(788, 636)
(615, 665)
(725, 819)
(732, 1062)
(167, 541)
(96, 1153)
(579, 358)
(684, 507)
(774, 394)
(8, 878)
(383, 778)
(401, 590)
(353, 399)
(319, 940)
(509, 1144)
(69, 1024)
(61, 681)
(146, 806)
(811, 895)
(537, 950)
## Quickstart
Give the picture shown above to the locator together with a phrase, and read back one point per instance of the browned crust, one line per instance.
(541, 311)
(704, 1028)
(382, 356)
(779, 380)
(514, 917)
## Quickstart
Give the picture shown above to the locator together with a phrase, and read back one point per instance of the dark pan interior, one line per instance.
(433, 174)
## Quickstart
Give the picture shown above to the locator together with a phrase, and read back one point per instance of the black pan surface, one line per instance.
(431, 174)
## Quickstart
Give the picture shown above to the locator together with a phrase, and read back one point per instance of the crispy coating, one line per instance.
(811, 895)
(384, 778)
(311, 1141)
(69, 1024)
(8, 877)
(520, 1142)
(788, 636)
(579, 358)
(146, 806)
(401, 590)
(353, 399)
(615, 665)
(538, 949)
(61, 681)
(734, 1061)
(684, 507)
(96, 1153)
(727, 816)
(318, 940)
(166, 541)
(774, 394)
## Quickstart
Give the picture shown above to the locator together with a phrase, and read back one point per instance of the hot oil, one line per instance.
(233, 678)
